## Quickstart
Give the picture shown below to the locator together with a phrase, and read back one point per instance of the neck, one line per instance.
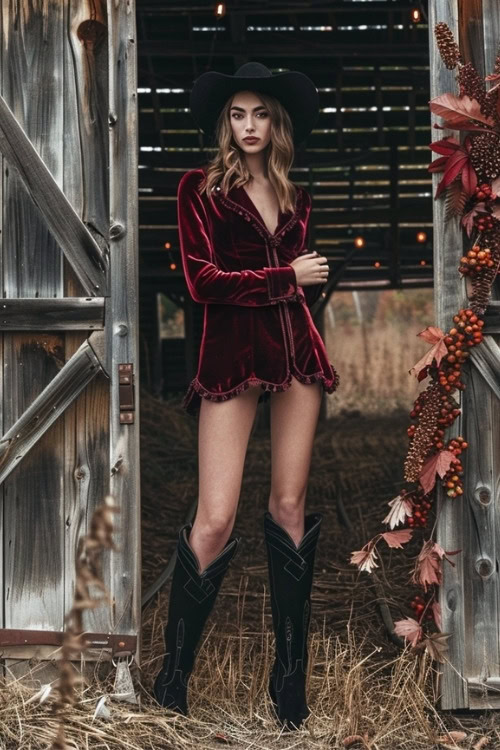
(257, 165)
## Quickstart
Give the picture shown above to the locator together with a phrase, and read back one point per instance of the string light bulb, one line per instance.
(423, 262)
(421, 237)
(415, 15)
(167, 245)
(377, 264)
(220, 10)
(173, 266)
(359, 241)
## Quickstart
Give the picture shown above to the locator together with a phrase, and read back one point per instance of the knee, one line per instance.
(214, 526)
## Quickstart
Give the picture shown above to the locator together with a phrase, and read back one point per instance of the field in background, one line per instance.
(371, 338)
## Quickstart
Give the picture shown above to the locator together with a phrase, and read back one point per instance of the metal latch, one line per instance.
(126, 393)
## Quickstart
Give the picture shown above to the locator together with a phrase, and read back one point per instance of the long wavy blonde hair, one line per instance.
(228, 166)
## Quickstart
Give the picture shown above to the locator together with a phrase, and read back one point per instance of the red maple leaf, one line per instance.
(439, 463)
(409, 629)
(455, 162)
(435, 336)
(396, 539)
(428, 566)
(365, 557)
(459, 110)
(401, 507)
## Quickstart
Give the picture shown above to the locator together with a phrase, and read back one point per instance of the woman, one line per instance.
(243, 236)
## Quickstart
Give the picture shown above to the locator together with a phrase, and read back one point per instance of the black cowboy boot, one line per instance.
(192, 597)
(290, 578)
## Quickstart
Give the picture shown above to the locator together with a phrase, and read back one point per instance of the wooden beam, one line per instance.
(123, 309)
(52, 314)
(50, 404)
(447, 251)
(89, 260)
(301, 48)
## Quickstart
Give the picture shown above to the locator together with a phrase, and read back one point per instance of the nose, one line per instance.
(249, 127)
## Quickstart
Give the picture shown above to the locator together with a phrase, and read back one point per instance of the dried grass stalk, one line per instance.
(88, 574)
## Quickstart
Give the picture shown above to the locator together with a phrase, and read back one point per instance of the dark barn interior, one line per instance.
(365, 163)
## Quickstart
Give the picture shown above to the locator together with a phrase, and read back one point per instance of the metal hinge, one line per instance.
(126, 393)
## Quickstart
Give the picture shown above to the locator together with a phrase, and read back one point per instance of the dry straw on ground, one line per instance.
(363, 690)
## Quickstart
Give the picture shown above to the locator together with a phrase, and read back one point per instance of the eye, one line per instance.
(263, 114)
(236, 115)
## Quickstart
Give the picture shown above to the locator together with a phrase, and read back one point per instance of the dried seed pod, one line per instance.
(448, 48)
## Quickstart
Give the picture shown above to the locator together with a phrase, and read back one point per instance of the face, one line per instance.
(250, 120)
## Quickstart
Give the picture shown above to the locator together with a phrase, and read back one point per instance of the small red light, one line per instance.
(377, 264)
(416, 16)
(421, 237)
(359, 241)
(220, 10)
(423, 262)
(167, 245)
(173, 266)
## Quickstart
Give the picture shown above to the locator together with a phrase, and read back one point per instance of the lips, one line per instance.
(251, 140)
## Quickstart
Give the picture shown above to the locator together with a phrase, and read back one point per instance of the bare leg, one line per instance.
(223, 433)
(294, 417)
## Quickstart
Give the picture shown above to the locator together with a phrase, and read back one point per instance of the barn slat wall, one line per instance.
(368, 105)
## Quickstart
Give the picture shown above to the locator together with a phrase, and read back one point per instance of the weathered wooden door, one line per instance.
(470, 595)
(67, 314)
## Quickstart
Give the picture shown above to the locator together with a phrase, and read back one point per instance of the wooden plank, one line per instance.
(486, 358)
(87, 258)
(86, 184)
(447, 251)
(88, 70)
(32, 42)
(36, 417)
(52, 314)
(122, 338)
(481, 652)
(2, 395)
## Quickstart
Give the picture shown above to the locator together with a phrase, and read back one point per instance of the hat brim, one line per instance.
(293, 89)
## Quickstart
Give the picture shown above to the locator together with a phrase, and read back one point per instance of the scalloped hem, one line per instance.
(196, 391)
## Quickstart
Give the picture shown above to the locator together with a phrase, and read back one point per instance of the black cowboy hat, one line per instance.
(296, 92)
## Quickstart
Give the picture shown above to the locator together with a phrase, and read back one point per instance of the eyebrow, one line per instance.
(241, 109)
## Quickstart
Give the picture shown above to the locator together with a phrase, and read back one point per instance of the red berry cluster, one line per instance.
(465, 334)
(418, 605)
(484, 192)
(475, 261)
(483, 221)
(452, 480)
(421, 506)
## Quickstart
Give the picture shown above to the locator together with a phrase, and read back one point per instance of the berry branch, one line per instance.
(470, 184)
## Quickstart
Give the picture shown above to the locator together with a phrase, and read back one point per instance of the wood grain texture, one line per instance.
(36, 413)
(449, 293)
(53, 314)
(83, 252)
(122, 338)
(32, 267)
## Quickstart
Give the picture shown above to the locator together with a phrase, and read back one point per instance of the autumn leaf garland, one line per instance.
(470, 183)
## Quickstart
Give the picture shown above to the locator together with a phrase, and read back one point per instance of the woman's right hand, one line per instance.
(310, 268)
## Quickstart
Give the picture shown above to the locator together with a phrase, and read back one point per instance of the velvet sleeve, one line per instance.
(312, 292)
(208, 283)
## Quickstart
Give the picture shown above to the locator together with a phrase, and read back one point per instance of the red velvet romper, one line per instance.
(257, 327)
